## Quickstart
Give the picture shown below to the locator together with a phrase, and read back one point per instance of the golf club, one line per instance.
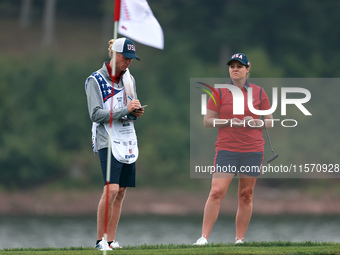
(270, 144)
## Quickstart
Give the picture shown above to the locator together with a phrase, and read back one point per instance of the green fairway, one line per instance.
(246, 248)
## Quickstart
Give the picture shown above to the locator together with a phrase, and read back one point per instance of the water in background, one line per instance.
(38, 232)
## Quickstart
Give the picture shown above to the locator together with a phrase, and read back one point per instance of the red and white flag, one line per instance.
(138, 23)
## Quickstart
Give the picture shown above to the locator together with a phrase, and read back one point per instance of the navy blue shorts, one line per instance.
(121, 173)
(249, 163)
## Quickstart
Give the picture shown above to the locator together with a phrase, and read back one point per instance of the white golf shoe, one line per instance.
(115, 244)
(103, 246)
(238, 240)
(201, 241)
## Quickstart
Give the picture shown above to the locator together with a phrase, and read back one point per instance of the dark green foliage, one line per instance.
(43, 119)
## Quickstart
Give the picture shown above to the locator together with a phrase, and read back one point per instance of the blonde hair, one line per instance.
(110, 47)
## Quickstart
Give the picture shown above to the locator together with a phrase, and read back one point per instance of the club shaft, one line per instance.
(265, 128)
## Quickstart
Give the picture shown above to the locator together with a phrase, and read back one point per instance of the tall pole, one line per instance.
(109, 153)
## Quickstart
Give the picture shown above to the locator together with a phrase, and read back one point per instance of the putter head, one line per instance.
(273, 158)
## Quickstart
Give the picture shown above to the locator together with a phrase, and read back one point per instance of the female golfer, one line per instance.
(104, 91)
(239, 148)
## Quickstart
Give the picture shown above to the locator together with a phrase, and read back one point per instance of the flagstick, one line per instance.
(108, 167)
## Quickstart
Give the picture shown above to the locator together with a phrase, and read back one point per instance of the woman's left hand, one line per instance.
(138, 112)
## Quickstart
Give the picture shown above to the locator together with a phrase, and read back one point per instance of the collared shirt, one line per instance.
(116, 77)
(242, 139)
(246, 86)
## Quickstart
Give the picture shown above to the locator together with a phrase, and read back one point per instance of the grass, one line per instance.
(216, 249)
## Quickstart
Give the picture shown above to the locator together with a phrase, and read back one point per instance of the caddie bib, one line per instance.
(122, 134)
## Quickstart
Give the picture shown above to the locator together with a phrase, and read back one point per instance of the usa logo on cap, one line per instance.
(131, 47)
